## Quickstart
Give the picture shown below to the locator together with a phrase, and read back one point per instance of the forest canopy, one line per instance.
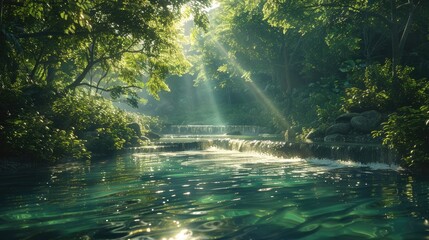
(59, 59)
(316, 60)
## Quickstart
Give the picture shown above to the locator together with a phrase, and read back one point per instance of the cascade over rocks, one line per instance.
(350, 127)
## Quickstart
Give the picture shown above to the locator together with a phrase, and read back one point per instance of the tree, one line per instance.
(54, 53)
(56, 44)
(396, 17)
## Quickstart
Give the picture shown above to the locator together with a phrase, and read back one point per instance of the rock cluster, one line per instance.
(349, 127)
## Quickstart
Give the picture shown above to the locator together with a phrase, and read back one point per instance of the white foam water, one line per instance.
(234, 158)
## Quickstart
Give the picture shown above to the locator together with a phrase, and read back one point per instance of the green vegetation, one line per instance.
(407, 131)
(61, 60)
(286, 65)
(318, 59)
(373, 89)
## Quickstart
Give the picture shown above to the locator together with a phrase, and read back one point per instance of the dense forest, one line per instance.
(299, 67)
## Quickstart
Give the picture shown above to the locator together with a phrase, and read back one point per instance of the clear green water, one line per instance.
(212, 194)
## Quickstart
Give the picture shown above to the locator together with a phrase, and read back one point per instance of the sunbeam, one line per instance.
(212, 104)
(255, 90)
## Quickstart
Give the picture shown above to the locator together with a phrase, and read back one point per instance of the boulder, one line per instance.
(338, 128)
(374, 118)
(366, 121)
(335, 138)
(136, 127)
(346, 117)
(361, 124)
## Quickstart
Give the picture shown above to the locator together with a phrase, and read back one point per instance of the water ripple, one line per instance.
(214, 195)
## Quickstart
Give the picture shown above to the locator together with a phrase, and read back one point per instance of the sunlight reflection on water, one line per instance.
(214, 194)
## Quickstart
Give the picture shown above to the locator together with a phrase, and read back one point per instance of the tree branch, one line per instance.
(107, 89)
(92, 62)
(101, 78)
(354, 9)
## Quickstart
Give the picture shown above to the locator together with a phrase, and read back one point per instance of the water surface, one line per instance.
(213, 194)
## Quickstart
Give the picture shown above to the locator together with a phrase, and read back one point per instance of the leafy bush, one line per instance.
(97, 121)
(71, 126)
(407, 131)
(374, 89)
(318, 104)
(34, 135)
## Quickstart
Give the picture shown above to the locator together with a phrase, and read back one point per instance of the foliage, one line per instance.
(97, 121)
(326, 57)
(34, 135)
(407, 131)
(74, 126)
(373, 89)
(316, 105)
(58, 57)
(101, 45)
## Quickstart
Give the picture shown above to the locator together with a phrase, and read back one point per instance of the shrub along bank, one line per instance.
(75, 125)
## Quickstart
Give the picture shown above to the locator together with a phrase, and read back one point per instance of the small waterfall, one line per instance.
(214, 129)
(353, 152)
(369, 153)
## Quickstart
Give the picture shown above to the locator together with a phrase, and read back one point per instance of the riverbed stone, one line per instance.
(338, 128)
(335, 138)
(366, 121)
(374, 118)
(361, 124)
(346, 117)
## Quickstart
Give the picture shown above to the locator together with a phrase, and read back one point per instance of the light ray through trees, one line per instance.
(257, 93)
(212, 103)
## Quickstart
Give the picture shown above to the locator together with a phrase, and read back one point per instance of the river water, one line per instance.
(213, 194)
